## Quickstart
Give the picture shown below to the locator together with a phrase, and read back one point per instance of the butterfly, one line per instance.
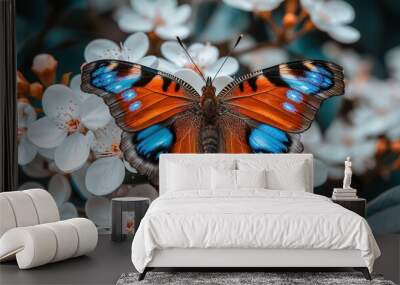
(261, 112)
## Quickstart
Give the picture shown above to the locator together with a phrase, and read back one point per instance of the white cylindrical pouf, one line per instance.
(87, 235)
(67, 240)
(23, 208)
(7, 218)
(45, 205)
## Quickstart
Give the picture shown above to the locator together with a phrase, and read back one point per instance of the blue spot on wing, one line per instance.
(294, 96)
(129, 95)
(121, 84)
(301, 85)
(313, 81)
(153, 141)
(100, 70)
(103, 77)
(289, 107)
(135, 106)
(267, 139)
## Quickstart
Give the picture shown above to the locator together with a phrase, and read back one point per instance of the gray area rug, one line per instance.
(243, 278)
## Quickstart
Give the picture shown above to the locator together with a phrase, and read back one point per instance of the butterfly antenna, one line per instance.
(190, 58)
(227, 56)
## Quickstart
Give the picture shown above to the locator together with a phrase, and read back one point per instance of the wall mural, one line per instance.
(259, 112)
(100, 99)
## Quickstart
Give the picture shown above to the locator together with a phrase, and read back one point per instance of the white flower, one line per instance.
(206, 58)
(107, 172)
(333, 17)
(133, 49)
(68, 125)
(254, 5)
(260, 58)
(338, 143)
(26, 116)
(164, 17)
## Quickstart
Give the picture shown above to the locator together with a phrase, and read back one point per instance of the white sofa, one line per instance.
(31, 231)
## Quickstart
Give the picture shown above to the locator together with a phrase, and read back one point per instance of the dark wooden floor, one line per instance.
(110, 260)
(102, 266)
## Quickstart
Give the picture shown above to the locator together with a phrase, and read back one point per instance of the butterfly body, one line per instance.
(263, 111)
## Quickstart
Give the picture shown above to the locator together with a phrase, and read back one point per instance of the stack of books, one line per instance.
(344, 194)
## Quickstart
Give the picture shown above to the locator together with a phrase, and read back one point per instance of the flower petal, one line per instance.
(60, 104)
(220, 83)
(135, 47)
(78, 182)
(230, 67)
(192, 78)
(26, 114)
(152, 9)
(68, 211)
(266, 5)
(150, 61)
(105, 137)
(203, 55)
(94, 113)
(99, 49)
(132, 22)
(167, 66)
(44, 133)
(345, 34)
(171, 32)
(340, 12)
(47, 152)
(26, 151)
(98, 209)
(72, 153)
(241, 4)
(312, 137)
(105, 175)
(38, 168)
(320, 172)
(60, 189)
(172, 51)
(75, 85)
(180, 15)
(264, 58)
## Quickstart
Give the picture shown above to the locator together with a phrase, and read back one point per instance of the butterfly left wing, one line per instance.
(138, 96)
(149, 106)
(276, 103)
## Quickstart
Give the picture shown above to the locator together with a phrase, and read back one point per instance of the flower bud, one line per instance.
(45, 67)
(36, 90)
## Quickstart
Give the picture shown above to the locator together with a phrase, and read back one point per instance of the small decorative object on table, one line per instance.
(345, 193)
(347, 196)
(127, 212)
